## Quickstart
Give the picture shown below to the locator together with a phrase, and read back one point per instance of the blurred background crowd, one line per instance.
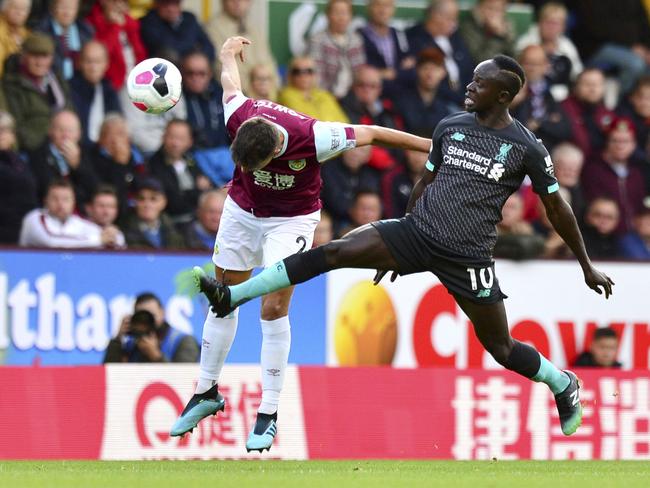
(81, 167)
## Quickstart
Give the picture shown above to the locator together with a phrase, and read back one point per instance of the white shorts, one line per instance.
(245, 242)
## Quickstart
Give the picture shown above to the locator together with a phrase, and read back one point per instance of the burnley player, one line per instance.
(478, 159)
(271, 212)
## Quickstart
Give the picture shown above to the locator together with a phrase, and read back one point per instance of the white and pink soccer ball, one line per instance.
(154, 85)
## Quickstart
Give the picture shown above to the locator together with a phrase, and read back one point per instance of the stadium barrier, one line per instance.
(123, 412)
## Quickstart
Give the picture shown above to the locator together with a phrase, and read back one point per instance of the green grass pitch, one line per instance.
(330, 474)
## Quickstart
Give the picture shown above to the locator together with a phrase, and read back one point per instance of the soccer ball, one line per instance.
(154, 85)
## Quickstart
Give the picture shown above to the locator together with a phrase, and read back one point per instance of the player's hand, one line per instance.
(381, 273)
(236, 46)
(597, 279)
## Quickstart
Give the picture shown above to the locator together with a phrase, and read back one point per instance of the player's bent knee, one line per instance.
(333, 252)
(275, 307)
(500, 352)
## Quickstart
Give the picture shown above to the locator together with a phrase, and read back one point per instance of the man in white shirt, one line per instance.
(57, 226)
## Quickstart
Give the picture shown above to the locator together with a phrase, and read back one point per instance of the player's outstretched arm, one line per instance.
(230, 80)
(383, 136)
(564, 222)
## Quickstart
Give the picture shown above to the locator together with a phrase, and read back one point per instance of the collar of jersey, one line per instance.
(286, 139)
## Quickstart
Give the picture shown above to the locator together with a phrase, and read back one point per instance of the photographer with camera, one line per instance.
(145, 337)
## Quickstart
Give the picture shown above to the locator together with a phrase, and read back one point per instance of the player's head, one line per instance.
(604, 346)
(256, 143)
(495, 83)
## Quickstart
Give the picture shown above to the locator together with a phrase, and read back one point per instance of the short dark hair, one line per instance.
(605, 332)
(514, 77)
(59, 183)
(104, 189)
(145, 297)
(255, 142)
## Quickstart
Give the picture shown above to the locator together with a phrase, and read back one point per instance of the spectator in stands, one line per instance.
(588, 115)
(366, 208)
(386, 48)
(516, 238)
(69, 34)
(120, 33)
(324, 231)
(342, 178)
(146, 337)
(233, 21)
(423, 107)
(602, 351)
(176, 169)
(61, 156)
(116, 162)
(549, 32)
(568, 161)
(614, 175)
(102, 209)
(201, 232)
(487, 30)
(440, 30)
(614, 35)
(147, 226)
(33, 91)
(263, 83)
(302, 94)
(337, 51)
(398, 183)
(203, 98)
(56, 225)
(17, 183)
(363, 105)
(13, 31)
(636, 243)
(168, 27)
(599, 229)
(636, 107)
(92, 94)
(535, 106)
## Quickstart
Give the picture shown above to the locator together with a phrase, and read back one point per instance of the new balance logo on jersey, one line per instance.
(496, 172)
(483, 293)
(457, 136)
(503, 152)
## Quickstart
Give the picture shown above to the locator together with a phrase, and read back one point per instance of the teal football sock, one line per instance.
(556, 380)
(268, 280)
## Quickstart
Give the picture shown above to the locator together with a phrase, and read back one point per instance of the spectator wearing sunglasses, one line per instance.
(302, 94)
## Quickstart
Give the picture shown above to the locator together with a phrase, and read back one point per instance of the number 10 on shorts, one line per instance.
(485, 275)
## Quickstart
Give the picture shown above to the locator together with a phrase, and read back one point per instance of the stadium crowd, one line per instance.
(81, 167)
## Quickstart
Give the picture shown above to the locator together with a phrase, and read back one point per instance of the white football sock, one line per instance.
(218, 336)
(276, 342)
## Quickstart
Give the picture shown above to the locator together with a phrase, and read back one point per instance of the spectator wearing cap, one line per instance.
(116, 161)
(337, 51)
(233, 20)
(440, 30)
(614, 175)
(386, 48)
(588, 115)
(535, 106)
(364, 105)
(93, 96)
(636, 243)
(166, 26)
(487, 30)
(120, 33)
(33, 90)
(17, 183)
(303, 95)
(425, 106)
(69, 34)
(13, 31)
(147, 226)
(602, 351)
(62, 157)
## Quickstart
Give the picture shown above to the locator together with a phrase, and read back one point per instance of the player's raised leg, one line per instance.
(218, 336)
(491, 327)
(361, 248)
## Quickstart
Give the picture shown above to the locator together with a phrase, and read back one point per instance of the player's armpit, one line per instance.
(374, 134)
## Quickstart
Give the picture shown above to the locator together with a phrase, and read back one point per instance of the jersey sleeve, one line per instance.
(435, 153)
(540, 169)
(331, 139)
(233, 105)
